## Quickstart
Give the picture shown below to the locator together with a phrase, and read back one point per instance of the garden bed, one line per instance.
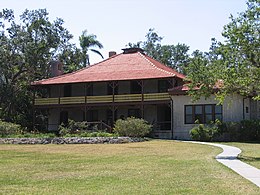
(71, 140)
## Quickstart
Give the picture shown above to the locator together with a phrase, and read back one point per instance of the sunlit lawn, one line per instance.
(154, 167)
(250, 153)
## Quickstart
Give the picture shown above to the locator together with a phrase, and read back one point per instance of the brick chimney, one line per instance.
(111, 53)
(56, 68)
(132, 50)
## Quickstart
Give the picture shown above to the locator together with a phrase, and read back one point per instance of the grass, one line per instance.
(154, 167)
(250, 153)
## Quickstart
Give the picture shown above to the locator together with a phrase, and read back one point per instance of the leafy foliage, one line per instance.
(174, 56)
(26, 49)
(7, 129)
(81, 129)
(87, 42)
(73, 127)
(205, 132)
(245, 130)
(132, 127)
(235, 63)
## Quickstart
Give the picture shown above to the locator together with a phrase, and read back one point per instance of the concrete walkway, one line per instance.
(229, 158)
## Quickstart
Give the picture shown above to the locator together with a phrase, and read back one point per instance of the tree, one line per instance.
(87, 42)
(26, 48)
(72, 58)
(174, 56)
(235, 63)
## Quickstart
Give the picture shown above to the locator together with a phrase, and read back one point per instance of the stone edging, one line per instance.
(71, 140)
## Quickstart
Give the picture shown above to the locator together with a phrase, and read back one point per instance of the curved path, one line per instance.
(229, 158)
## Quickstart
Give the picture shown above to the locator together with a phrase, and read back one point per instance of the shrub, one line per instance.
(7, 128)
(73, 128)
(207, 132)
(245, 130)
(132, 127)
(250, 130)
(230, 131)
(33, 135)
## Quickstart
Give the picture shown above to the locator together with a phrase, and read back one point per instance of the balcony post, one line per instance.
(85, 93)
(113, 91)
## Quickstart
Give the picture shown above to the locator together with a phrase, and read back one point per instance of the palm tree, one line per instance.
(86, 42)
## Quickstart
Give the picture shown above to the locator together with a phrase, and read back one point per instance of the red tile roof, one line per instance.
(183, 89)
(130, 66)
(180, 90)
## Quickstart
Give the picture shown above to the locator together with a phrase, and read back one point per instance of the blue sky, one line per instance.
(118, 22)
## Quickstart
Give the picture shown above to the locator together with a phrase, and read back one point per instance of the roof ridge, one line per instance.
(74, 72)
(151, 63)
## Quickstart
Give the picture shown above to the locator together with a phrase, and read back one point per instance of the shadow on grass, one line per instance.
(248, 158)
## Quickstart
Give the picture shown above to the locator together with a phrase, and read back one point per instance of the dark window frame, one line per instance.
(203, 115)
(135, 87)
(163, 86)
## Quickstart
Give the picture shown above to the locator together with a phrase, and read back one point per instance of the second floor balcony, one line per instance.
(149, 97)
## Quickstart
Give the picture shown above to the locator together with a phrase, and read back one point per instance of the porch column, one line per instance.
(142, 110)
(33, 110)
(172, 119)
(141, 83)
(113, 85)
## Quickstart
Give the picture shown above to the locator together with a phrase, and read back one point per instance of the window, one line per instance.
(202, 113)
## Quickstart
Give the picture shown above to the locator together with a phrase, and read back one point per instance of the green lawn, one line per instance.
(250, 153)
(154, 167)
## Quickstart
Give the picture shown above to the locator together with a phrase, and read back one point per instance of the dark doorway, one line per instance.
(64, 117)
(164, 117)
(110, 121)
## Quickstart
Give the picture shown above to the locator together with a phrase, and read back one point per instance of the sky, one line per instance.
(118, 22)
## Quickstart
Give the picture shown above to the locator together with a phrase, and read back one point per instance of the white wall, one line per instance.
(232, 111)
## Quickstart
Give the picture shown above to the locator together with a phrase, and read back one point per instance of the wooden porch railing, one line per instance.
(102, 99)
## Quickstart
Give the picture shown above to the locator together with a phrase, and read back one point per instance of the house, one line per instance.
(132, 84)
(185, 112)
(126, 84)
